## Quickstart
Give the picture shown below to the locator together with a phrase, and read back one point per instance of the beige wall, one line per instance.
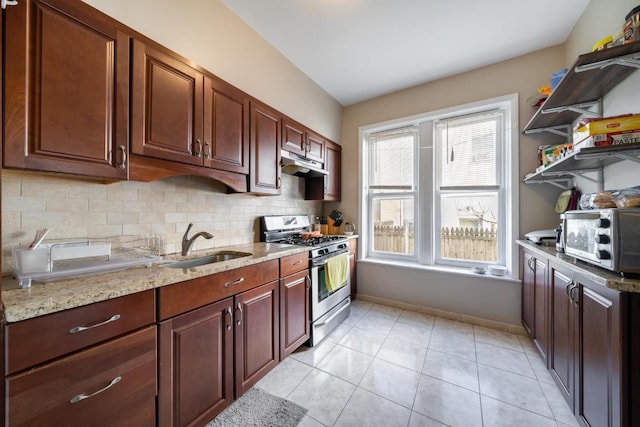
(208, 33)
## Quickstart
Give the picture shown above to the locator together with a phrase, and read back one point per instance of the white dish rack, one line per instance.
(52, 261)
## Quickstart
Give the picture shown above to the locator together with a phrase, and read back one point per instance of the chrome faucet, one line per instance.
(187, 242)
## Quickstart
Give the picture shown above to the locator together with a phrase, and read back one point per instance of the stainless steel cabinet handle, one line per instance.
(235, 282)
(123, 164)
(230, 314)
(296, 263)
(308, 279)
(207, 150)
(198, 151)
(566, 290)
(239, 309)
(83, 396)
(77, 329)
(573, 300)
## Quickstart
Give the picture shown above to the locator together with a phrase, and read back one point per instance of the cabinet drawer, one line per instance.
(294, 263)
(43, 396)
(185, 296)
(38, 340)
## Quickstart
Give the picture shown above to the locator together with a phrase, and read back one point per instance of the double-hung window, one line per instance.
(441, 188)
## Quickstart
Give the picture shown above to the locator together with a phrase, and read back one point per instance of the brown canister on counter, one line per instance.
(631, 28)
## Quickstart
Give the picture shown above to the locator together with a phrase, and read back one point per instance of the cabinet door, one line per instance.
(196, 365)
(226, 127)
(265, 150)
(528, 293)
(167, 107)
(327, 188)
(598, 372)
(293, 137)
(257, 334)
(66, 90)
(541, 308)
(294, 312)
(561, 356)
(111, 384)
(315, 147)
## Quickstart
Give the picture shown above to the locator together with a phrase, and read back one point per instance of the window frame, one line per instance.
(427, 213)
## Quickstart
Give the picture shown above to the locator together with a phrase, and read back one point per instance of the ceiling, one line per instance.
(359, 49)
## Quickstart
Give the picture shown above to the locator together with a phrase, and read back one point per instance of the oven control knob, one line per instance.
(602, 238)
(603, 223)
(603, 254)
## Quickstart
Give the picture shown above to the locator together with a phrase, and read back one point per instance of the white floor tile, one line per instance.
(419, 420)
(376, 323)
(285, 377)
(453, 344)
(561, 411)
(368, 409)
(462, 330)
(313, 355)
(539, 368)
(452, 369)
(417, 319)
(403, 353)
(307, 421)
(347, 364)
(500, 414)
(338, 333)
(515, 389)
(498, 338)
(323, 395)
(503, 358)
(389, 312)
(448, 403)
(364, 341)
(392, 382)
(411, 333)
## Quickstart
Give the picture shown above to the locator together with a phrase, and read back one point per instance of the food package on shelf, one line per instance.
(601, 200)
(606, 139)
(589, 127)
(627, 198)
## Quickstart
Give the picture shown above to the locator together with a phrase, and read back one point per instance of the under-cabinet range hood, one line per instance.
(292, 164)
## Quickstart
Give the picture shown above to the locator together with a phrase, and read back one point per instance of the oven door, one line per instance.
(587, 236)
(322, 300)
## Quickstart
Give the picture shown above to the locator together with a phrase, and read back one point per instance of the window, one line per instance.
(438, 188)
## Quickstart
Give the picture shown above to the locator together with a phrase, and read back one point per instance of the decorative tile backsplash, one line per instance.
(74, 208)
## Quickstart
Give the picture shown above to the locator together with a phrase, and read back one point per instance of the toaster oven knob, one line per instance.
(603, 254)
(603, 223)
(602, 238)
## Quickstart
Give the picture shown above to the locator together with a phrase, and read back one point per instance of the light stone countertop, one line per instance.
(50, 297)
(598, 275)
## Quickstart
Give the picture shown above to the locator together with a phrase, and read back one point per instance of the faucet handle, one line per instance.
(185, 236)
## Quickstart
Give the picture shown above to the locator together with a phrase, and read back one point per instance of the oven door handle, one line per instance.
(325, 321)
(322, 261)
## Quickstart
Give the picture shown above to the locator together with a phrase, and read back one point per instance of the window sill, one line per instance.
(439, 268)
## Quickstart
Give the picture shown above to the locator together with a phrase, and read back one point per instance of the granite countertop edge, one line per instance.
(597, 275)
(45, 298)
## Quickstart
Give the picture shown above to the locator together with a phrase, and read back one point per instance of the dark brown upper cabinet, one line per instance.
(182, 115)
(66, 83)
(300, 140)
(265, 150)
(327, 188)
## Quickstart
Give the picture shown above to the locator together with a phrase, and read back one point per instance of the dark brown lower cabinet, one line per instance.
(196, 365)
(256, 334)
(294, 312)
(535, 301)
(593, 348)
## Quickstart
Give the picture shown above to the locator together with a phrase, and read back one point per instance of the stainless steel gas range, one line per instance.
(330, 302)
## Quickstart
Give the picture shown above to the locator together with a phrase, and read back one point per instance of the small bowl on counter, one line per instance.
(479, 269)
(498, 270)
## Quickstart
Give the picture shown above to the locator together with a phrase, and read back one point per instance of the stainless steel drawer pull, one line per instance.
(77, 329)
(239, 309)
(123, 164)
(296, 263)
(235, 282)
(83, 396)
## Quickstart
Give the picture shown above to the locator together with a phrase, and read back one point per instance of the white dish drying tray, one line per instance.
(70, 259)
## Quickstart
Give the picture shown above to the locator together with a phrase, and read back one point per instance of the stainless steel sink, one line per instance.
(208, 259)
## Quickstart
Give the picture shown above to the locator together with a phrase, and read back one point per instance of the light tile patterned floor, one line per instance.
(384, 366)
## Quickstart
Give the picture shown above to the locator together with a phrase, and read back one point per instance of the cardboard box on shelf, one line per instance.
(607, 126)
(607, 139)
